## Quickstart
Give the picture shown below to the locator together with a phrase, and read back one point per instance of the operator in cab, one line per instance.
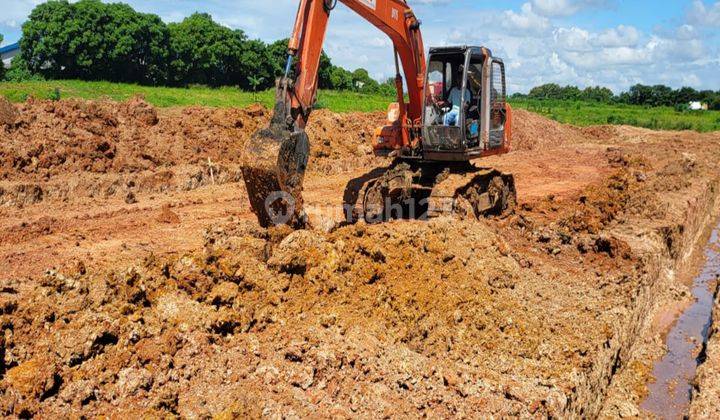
(452, 117)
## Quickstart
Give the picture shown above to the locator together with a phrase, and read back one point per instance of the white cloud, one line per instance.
(553, 8)
(687, 32)
(526, 21)
(678, 50)
(15, 11)
(703, 15)
(622, 36)
(573, 39)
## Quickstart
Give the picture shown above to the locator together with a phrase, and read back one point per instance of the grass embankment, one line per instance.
(168, 97)
(577, 113)
(595, 113)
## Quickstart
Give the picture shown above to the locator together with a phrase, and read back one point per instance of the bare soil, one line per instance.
(135, 280)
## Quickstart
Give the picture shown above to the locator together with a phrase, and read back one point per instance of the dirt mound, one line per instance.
(532, 132)
(52, 138)
(341, 139)
(140, 110)
(168, 216)
(8, 113)
(406, 314)
(600, 132)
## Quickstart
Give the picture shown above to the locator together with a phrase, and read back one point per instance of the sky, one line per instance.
(613, 43)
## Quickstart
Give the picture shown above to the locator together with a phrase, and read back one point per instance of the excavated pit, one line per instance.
(669, 394)
(705, 396)
(178, 303)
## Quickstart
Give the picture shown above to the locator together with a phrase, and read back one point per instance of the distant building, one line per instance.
(698, 106)
(8, 52)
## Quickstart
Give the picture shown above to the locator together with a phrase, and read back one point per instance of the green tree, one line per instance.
(325, 71)
(685, 95)
(362, 81)
(640, 95)
(387, 88)
(570, 93)
(256, 62)
(278, 53)
(546, 91)
(92, 40)
(597, 94)
(714, 103)
(341, 79)
(139, 45)
(19, 71)
(205, 52)
(706, 96)
(45, 44)
(662, 96)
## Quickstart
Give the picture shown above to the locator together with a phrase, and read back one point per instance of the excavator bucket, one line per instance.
(273, 168)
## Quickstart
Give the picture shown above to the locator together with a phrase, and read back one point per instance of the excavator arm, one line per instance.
(393, 17)
(275, 158)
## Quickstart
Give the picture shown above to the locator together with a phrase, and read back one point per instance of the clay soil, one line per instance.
(135, 280)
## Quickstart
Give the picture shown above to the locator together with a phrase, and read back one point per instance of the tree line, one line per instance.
(658, 95)
(92, 40)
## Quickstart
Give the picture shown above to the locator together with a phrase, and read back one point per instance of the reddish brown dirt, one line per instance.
(106, 137)
(534, 132)
(175, 302)
(8, 114)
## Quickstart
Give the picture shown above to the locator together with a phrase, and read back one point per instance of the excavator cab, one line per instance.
(465, 113)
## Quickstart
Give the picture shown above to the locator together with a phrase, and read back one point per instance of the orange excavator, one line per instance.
(455, 113)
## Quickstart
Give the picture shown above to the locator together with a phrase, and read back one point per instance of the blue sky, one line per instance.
(612, 43)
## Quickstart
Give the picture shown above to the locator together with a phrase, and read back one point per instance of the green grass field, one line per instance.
(592, 113)
(168, 97)
(577, 113)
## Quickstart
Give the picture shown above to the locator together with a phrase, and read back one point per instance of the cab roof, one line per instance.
(458, 50)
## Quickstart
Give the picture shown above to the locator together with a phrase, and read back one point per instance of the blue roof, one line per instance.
(9, 48)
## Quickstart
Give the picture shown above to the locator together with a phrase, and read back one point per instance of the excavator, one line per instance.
(430, 141)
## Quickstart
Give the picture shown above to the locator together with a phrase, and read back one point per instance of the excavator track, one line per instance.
(487, 192)
(424, 191)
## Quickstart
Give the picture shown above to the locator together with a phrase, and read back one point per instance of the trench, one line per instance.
(669, 396)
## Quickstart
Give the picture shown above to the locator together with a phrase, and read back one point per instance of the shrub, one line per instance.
(19, 72)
